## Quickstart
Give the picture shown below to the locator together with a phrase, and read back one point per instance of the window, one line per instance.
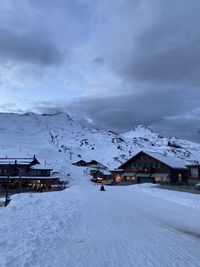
(194, 172)
(131, 178)
(162, 179)
(149, 165)
(142, 165)
(159, 165)
(117, 178)
(132, 165)
(180, 177)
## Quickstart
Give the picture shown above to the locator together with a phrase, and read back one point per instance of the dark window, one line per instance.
(159, 165)
(149, 165)
(194, 172)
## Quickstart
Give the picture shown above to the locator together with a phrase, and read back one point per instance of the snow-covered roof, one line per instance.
(23, 161)
(40, 167)
(105, 172)
(31, 177)
(169, 161)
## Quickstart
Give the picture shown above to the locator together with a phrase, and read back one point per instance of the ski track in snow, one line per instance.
(81, 226)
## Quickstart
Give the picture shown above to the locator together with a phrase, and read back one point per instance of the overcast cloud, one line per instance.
(120, 63)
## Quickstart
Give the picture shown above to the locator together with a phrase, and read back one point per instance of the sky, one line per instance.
(117, 63)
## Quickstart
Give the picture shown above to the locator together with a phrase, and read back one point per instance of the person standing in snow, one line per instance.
(102, 187)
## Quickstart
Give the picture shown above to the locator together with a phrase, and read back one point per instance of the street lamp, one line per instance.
(20, 180)
(7, 199)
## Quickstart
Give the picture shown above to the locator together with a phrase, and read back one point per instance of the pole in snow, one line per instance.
(7, 200)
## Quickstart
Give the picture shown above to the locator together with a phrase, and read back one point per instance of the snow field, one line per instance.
(81, 226)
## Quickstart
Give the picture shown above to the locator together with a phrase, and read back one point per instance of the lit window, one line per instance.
(118, 178)
(180, 177)
(131, 178)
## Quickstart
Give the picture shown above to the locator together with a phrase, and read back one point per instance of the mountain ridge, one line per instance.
(60, 139)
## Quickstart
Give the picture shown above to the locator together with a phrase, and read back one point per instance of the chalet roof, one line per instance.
(93, 162)
(193, 165)
(89, 163)
(169, 161)
(81, 160)
(21, 161)
(105, 172)
(40, 167)
(53, 176)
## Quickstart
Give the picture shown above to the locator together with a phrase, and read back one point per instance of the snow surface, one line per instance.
(139, 225)
(125, 226)
(57, 140)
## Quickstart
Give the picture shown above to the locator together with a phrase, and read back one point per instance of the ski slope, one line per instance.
(60, 139)
(82, 227)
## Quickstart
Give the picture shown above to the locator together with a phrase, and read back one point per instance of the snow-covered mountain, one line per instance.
(59, 139)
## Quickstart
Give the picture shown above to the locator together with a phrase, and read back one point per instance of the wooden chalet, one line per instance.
(26, 174)
(151, 167)
(96, 164)
(92, 164)
(101, 176)
(81, 162)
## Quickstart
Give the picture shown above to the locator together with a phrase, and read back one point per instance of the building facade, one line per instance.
(26, 174)
(101, 176)
(92, 164)
(151, 167)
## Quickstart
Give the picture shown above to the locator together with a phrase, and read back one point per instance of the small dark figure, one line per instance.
(102, 188)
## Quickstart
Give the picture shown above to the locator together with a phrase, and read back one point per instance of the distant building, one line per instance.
(151, 167)
(99, 176)
(92, 164)
(96, 164)
(26, 173)
(81, 163)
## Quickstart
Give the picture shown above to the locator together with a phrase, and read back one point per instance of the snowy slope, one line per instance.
(138, 225)
(81, 226)
(59, 139)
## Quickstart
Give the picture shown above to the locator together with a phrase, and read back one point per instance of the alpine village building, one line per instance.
(151, 167)
(92, 164)
(26, 174)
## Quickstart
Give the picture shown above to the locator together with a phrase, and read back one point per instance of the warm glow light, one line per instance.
(118, 178)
